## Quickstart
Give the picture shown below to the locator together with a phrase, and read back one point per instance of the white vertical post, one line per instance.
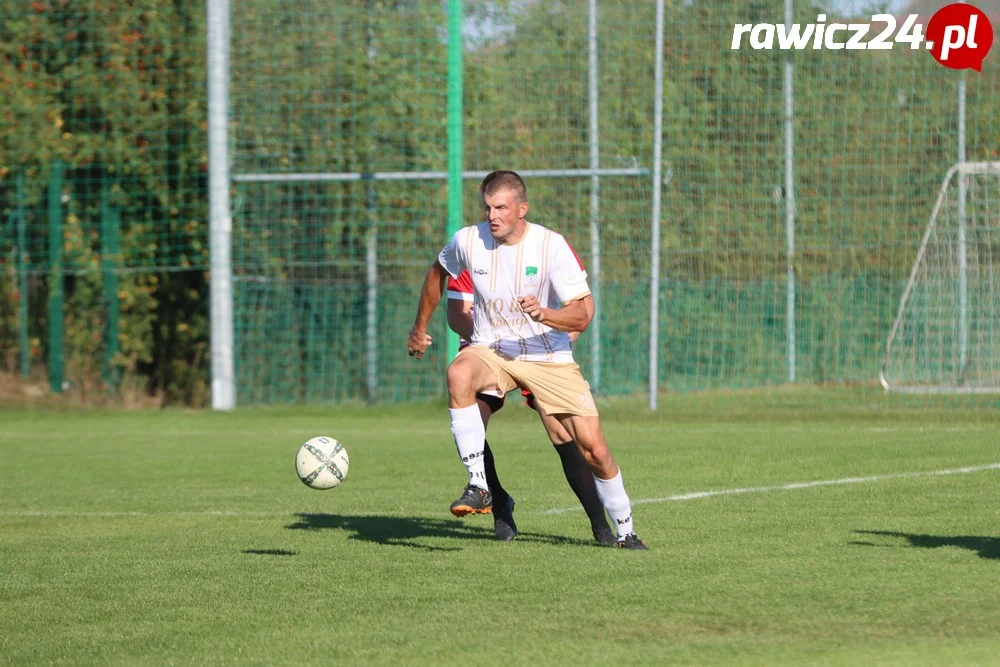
(220, 214)
(963, 246)
(790, 203)
(456, 65)
(595, 200)
(654, 278)
(371, 255)
(371, 325)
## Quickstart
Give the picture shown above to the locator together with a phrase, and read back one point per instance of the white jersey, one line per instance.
(541, 263)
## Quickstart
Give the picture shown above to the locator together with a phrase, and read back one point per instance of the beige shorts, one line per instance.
(558, 388)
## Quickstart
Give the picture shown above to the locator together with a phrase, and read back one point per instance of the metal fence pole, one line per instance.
(654, 278)
(56, 313)
(595, 199)
(22, 276)
(110, 257)
(371, 301)
(963, 243)
(455, 157)
(220, 213)
(790, 203)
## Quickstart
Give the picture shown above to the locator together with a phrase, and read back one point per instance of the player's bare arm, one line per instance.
(460, 317)
(430, 296)
(573, 316)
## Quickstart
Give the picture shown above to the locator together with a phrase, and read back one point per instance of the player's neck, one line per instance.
(517, 235)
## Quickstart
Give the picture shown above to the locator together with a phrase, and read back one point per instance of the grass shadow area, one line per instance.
(985, 547)
(402, 531)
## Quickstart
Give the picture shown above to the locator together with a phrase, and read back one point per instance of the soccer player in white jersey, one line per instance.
(529, 291)
(578, 475)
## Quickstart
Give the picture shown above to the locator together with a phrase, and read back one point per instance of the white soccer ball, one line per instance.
(322, 463)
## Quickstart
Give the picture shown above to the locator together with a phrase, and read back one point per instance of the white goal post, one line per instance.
(946, 335)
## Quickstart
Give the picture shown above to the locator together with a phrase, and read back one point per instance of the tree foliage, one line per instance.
(115, 91)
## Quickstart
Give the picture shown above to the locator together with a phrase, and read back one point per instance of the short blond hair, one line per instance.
(503, 179)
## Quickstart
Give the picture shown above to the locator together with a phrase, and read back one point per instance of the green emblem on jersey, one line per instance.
(531, 270)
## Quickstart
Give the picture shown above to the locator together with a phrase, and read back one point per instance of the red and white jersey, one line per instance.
(460, 288)
(542, 263)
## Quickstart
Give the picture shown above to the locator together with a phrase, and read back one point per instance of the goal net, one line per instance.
(946, 335)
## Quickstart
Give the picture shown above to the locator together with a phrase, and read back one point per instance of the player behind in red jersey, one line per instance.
(578, 474)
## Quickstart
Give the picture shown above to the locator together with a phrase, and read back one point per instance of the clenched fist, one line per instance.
(417, 343)
(529, 304)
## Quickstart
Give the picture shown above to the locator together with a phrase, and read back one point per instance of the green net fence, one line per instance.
(338, 145)
(357, 119)
(102, 197)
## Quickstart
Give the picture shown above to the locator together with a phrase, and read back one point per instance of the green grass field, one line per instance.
(176, 537)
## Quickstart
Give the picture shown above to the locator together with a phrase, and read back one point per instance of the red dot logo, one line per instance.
(959, 36)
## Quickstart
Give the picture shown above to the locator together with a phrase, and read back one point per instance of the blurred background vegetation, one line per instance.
(105, 106)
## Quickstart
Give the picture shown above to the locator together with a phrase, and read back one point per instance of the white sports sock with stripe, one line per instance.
(616, 502)
(470, 438)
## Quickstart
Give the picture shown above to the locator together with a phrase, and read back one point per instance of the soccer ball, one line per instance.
(322, 463)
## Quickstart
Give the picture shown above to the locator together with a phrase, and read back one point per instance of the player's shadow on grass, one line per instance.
(985, 547)
(401, 531)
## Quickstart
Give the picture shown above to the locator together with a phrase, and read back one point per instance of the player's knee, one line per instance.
(598, 457)
(461, 381)
(459, 374)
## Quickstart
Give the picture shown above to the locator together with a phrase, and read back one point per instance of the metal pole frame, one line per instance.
(654, 278)
(790, 203)
(963, 169)
(22, 276)
(595, 197)
(455, 156)
(963, 242)
(220, 212)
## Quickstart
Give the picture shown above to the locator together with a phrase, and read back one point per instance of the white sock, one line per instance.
(616, 502)
(470, 438)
